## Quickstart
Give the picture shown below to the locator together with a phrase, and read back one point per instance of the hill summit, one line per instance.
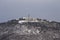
(28, 28)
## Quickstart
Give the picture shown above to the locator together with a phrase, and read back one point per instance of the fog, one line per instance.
(44, 9)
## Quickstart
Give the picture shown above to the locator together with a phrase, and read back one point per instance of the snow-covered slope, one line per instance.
(42, 30)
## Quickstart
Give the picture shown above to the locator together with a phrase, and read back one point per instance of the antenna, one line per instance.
(28, 17)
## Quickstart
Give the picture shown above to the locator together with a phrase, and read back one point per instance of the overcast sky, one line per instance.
(44, 9)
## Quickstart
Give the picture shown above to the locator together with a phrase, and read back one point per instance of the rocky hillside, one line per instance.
(42, 30)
